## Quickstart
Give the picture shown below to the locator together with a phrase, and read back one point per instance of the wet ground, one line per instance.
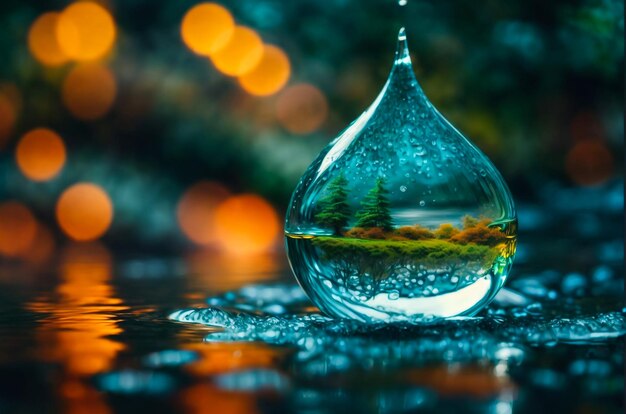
(98, 332)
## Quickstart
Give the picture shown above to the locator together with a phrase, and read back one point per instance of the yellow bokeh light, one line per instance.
(206, 28)
(302, 108)
(85, 31)
(246, 224)
(84, 211)
(18, 228)
(89, 91)
(40, 154)
(241, 54)
(269, 75)
(196, 208)
(42, 40)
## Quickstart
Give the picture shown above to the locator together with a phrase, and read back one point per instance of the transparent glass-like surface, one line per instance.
(401, 216)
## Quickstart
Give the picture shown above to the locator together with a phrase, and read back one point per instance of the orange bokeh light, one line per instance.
(269, 75)
(8, 115)
(42, 247)
(206, 28)
(40, 154)
(42, 40)
(89, 91)
(84, 211)
(241, 54)
(302, 108)
(196, 208)
(589, 162)
(246, 224)
(18, 228)
(85, 31)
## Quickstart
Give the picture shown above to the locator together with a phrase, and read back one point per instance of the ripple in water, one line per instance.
(323, 345)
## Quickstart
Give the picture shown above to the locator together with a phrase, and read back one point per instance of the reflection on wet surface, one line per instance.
(95, 333)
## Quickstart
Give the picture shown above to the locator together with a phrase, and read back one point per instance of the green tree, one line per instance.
(375, 208)
(335, 211)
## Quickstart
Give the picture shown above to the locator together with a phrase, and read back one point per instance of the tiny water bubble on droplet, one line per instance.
(403, 188)
(422, 203)
(402, 3)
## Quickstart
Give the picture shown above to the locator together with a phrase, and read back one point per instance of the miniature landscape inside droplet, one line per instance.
(401, 216)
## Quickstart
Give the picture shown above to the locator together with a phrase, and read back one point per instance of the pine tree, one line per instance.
(335, 211)
(375, 211)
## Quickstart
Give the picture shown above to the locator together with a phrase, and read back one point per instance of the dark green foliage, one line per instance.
(335, 211)
(375, 208)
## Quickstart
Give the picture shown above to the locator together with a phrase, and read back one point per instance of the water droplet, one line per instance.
(393, 295)
(358, 200)
(402, 3)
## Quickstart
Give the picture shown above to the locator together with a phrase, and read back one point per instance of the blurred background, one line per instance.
(164, 128)
(148, 151)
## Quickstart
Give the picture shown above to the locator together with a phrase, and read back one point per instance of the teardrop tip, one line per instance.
(402, 52)
(401, 34)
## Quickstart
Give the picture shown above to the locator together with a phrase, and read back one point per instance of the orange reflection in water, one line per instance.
(79, 325)
(204, 398)
(222, 357)
(472, 380)
(213, 272)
